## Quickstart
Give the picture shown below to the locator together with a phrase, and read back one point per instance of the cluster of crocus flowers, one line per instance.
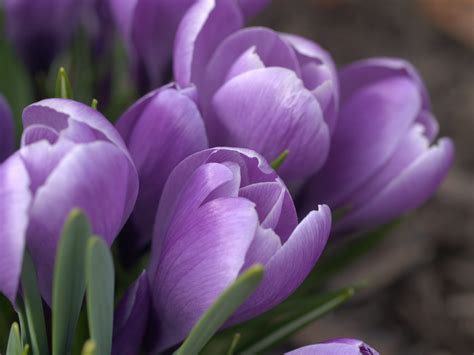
(188, 166)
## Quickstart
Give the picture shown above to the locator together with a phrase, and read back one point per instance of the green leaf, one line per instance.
(20, 309)
(63, 85)
(100, 281)
(233, 344)
(26, 350)
(221, 310)
(14, 346)
(289, 324)
(69, 280)
(278, 162)
(33, 307)
(94, 104)
(89, 348)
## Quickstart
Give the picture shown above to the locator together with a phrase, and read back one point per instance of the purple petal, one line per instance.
(96, 177)
(381, 114)
(207, 253)
(319, 74)
(123, 11)
(251, 8)
(153, 32)
(7, 131)
(336, 347)
(175, 120)
(131, 317)
(201, 30)
(15, 200)
(269, 110)
(60, 114)
(368, 71)
(412, 187)
(182, 196)
(290, 265)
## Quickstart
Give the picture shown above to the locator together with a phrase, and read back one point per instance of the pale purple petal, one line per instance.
(290, 265)
(201, 30)
(123, 11)
(96, 177)
(336, 347)
(319, 74)
(412, 187)
(270, 111)
(131, 317)
(371, 124)
(59, 114)
(207, 254)
(160, 131)
(153, 32)
(15, 200)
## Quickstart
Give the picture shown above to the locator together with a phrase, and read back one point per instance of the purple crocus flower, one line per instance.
(221, 211)
(384, 159)
(160, 130)
(257, 88)
(7, 132)
(40, 29)
(336, 347)
(148, 28)
(71, 156)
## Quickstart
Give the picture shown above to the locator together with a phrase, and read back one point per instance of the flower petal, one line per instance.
(131, 317)
(336, 347)
(15, 200)
(201, 30)
(208, 252)
(287, 269)
(370, 127)
(269, 110)
(96, 177)
(56, 113)
(175, 120)
(413, 186)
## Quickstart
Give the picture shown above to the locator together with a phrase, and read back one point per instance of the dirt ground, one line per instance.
(421, 298)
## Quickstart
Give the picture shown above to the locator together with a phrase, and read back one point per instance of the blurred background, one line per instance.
(421, 294)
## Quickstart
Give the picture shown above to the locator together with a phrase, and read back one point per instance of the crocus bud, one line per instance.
(71, 157)
(336, 347)
(40, 29)
(384, 160)
(223, 210)
(160, 130)
(257, 88)
(148, 28)
(7, 132)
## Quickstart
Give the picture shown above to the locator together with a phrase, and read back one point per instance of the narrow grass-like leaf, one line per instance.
(69, 280)
(26, 350)
(14, 346)
(20, 310)
(221, 310)
(289, 325)
(233, 344)
(89, 348)
(63, 85)
(100, 279)
(278, 162)
(33, 307)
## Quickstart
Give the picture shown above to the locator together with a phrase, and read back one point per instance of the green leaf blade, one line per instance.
(33, 307)
(14, 346)
(69, 280)
(100, 279)
(221, 310)
(294, 322)
(278, 162)
(63, 85)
